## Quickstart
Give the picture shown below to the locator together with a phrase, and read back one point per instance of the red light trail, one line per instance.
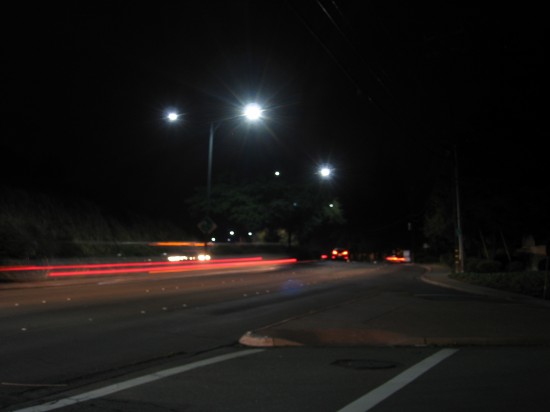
(141, 267)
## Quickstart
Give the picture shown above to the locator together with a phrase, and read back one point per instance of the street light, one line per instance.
(252, 112)
(325, 172)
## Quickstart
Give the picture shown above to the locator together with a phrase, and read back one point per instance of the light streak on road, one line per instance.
(141, 267)
(225, 265)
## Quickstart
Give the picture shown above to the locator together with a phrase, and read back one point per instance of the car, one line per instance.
(395, 259)
(340, 254)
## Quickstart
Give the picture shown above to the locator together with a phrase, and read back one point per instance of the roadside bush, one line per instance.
(529, 283)
(488, 266)
(38, 227)
(479, 265)
(516, 266)
(544, 264)
(470, 264)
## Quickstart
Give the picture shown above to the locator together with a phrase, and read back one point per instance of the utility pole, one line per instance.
(460, 266)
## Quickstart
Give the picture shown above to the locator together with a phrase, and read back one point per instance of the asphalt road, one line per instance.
(177, 342)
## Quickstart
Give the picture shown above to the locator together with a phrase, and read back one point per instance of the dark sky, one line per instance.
(382, 91)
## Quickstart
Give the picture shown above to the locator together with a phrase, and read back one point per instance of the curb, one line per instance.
(368, 339)
(253, 339)
(481, 290)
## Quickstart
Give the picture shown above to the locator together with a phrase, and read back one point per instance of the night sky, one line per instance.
(382, 91)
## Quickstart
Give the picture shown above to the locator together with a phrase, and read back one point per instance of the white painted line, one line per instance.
(117, 387)
(374, 397)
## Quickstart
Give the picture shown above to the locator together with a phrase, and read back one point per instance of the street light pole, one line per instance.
(209, 184)
(460, 267)
(209, 178)
(251, 112)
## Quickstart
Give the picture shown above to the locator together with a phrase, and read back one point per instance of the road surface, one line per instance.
(174, 341)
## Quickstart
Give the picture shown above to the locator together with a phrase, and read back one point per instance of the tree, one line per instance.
(282, 211)
(439, 227)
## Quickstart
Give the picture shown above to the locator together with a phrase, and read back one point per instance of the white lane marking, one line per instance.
(374, 397)
(117, 387)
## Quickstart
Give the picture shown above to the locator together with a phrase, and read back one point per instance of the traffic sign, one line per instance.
(207, 225)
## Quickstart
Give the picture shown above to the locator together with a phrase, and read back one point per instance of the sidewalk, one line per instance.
(483, 317)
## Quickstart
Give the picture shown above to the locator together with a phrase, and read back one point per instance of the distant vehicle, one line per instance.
(202, 257)
(399, 256)
(340, 254)
(395, 259)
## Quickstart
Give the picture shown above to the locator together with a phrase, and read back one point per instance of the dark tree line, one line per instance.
(498, 225)
(275, 210)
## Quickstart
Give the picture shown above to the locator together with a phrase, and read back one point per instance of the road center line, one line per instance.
(374, 397)
(117, 387)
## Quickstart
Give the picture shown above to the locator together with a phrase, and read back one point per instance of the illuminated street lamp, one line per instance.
(325, 172)
(172, 116)
(252, 111)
